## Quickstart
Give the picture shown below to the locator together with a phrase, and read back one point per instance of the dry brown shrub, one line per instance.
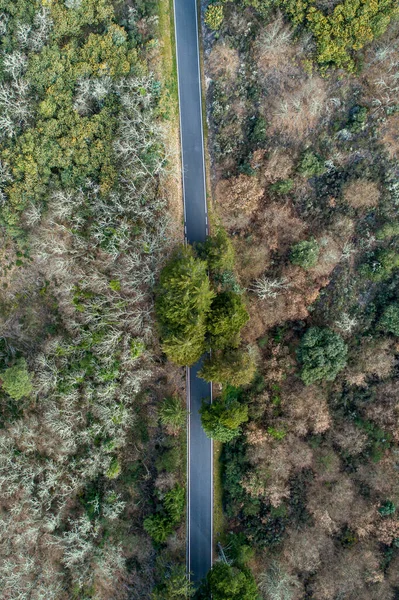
(382, 477)
(252, 258)
(279, 165)
(350, 574)
(279, 227)
(331, 502)
(305, 550)
(387, 531)
(361, 193)
(393, 570)
(329, 257)
(389, 131)
(273, 463)
(223, 61)
(292, 304)
(237, 199)
(350, 439)
(372, 358)
(306, 409)
(274, 44)
(384, 410)
(296, 100)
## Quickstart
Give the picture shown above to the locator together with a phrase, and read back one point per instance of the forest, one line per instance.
(302, 103)
(92, 423)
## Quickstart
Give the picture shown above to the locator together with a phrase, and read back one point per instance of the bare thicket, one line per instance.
(102, 276)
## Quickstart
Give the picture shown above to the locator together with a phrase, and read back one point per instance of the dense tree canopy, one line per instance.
(231, 366)
(221, 420)
(183, 302)
(322, 354)
(231, 583)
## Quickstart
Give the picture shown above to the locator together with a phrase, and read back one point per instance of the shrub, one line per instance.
(172, 413)
(225, 320)
(357, 119)
(311, 164)
(175, 584)
(16, 380)
(322, 354)
(183, 300)
(174, 503)
(227, 582)
(137, 348)
(158, 527)
(214, 16)
(380, 264)
(221, 420)
(114, 469)
(169, 460)
(284, 186)
(389, 321)
(351, 25)
(388, 230)
(305, 254)
(387, 509)
(231, 366)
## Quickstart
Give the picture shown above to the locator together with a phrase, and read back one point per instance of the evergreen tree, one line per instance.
(183, 302)
(221, 420)
(230, 366)
(322, 354)
(227, 317)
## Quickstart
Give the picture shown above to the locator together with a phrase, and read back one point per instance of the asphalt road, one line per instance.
(200, 448)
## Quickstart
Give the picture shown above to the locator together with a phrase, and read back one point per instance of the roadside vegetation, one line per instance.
(92, 439)
(303, 108)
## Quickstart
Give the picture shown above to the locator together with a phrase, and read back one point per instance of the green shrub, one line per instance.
(387, 509)
(389, 321)
(183, 300)
(158, 527)
(114, 469)
(231, 366)
(16, 380)
(380, 264)
(227, 582)
(175, 584)
(311, 164)
(169, 460)
(358, 118)
(174, 503)
(172, 413)
(137, 348)
(214, 16)
(283, 186)
(305, 254)
(221, 420)
(322, 354)
(388, 230)
(227, 317)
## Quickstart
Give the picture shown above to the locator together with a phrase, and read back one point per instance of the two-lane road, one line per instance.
(200, 448)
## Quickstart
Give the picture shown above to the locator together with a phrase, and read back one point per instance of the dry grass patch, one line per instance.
(361, 193)
(390, 136)
(237, 199)
(223, 61)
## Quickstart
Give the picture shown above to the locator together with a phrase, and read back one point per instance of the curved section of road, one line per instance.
(200, 448)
